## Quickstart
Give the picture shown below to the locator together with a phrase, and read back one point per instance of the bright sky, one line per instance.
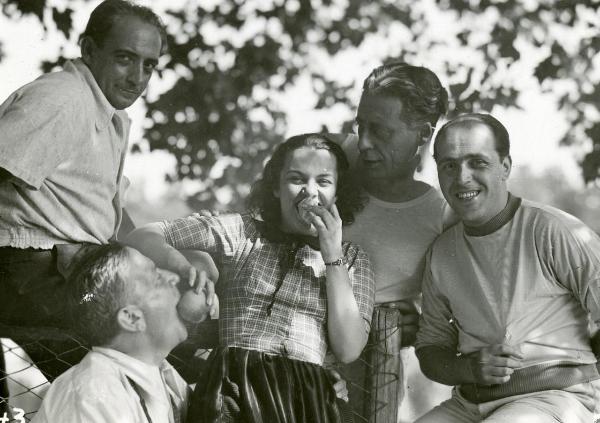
(534, 130)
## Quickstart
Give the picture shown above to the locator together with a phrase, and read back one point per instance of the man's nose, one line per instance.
(136, 73)
(463, 173)
(364, 140)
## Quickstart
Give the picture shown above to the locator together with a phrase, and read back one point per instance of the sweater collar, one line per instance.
(498, 221)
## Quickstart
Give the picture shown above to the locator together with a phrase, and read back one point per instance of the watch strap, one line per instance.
(338, 262)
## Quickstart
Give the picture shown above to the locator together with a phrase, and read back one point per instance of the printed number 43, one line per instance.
(19, 416)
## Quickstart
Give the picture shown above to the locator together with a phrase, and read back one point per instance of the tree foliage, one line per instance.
(229, 58)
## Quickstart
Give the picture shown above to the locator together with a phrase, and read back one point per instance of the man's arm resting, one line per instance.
(489, 366)
(444, 366)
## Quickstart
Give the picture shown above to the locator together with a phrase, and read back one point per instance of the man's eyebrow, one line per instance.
(465, 157)
(125, 51)
(476, 156)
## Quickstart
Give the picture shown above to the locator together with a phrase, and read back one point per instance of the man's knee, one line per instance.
(450, 411)
(543, 407)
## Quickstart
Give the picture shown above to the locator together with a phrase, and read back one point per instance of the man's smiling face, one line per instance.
(472, 175)
(123, 64)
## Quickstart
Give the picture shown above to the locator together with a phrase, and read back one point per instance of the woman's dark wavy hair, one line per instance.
(262, 196)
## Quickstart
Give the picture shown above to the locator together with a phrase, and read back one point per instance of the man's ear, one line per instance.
(425, 133)
(131, 319)
(506, 167)
(88, 49)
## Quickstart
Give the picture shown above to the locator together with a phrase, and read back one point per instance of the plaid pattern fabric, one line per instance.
(274, 295)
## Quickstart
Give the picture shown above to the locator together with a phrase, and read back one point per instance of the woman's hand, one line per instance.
(200, 283)
(201, 275)
(329, 226)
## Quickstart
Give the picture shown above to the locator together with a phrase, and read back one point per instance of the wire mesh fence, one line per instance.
(374, 381)
(33, 357)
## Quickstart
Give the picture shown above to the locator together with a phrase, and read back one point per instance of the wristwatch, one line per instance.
(338, 262)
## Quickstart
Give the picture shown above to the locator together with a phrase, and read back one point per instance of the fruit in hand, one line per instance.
(305, 206)
(192, 306)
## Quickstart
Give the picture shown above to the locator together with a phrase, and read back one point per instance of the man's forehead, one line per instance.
(132, 33)
(379, 106)
(467, 138)
(469, 126)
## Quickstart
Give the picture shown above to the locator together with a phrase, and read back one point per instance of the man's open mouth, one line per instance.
(467, 195)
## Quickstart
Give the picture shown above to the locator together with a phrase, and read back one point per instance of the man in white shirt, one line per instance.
(63, 141)
(125, 307)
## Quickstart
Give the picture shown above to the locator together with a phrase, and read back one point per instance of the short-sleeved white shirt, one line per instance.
(65, 144)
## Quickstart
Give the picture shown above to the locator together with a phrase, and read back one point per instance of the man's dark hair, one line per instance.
(423, 97)
(501, 137)
(105, 15)
(97, 292)
(262, 196)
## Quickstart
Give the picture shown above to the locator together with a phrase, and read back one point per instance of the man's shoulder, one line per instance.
(63, 83)
(95, 376)
(547, 216)
(87, 391)
(59, 90)
(93, 365)
(448, 236)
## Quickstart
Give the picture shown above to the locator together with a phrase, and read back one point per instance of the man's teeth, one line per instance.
(467, 195)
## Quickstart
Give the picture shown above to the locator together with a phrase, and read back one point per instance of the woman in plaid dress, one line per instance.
(290, 288)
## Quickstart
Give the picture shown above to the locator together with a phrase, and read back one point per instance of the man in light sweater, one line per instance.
(125, 308)
(506, 293)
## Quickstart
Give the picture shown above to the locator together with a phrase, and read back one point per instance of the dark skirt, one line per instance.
(253, 387)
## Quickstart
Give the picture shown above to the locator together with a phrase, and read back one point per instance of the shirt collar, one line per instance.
(498, 221)
(104, 110)
(144, 375)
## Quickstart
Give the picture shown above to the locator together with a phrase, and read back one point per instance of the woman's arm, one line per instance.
(150, 241)
(345, 325)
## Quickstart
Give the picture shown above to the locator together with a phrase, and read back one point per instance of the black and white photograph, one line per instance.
(299, 211)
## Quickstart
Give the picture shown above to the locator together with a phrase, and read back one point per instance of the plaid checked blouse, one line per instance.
(274, 295)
